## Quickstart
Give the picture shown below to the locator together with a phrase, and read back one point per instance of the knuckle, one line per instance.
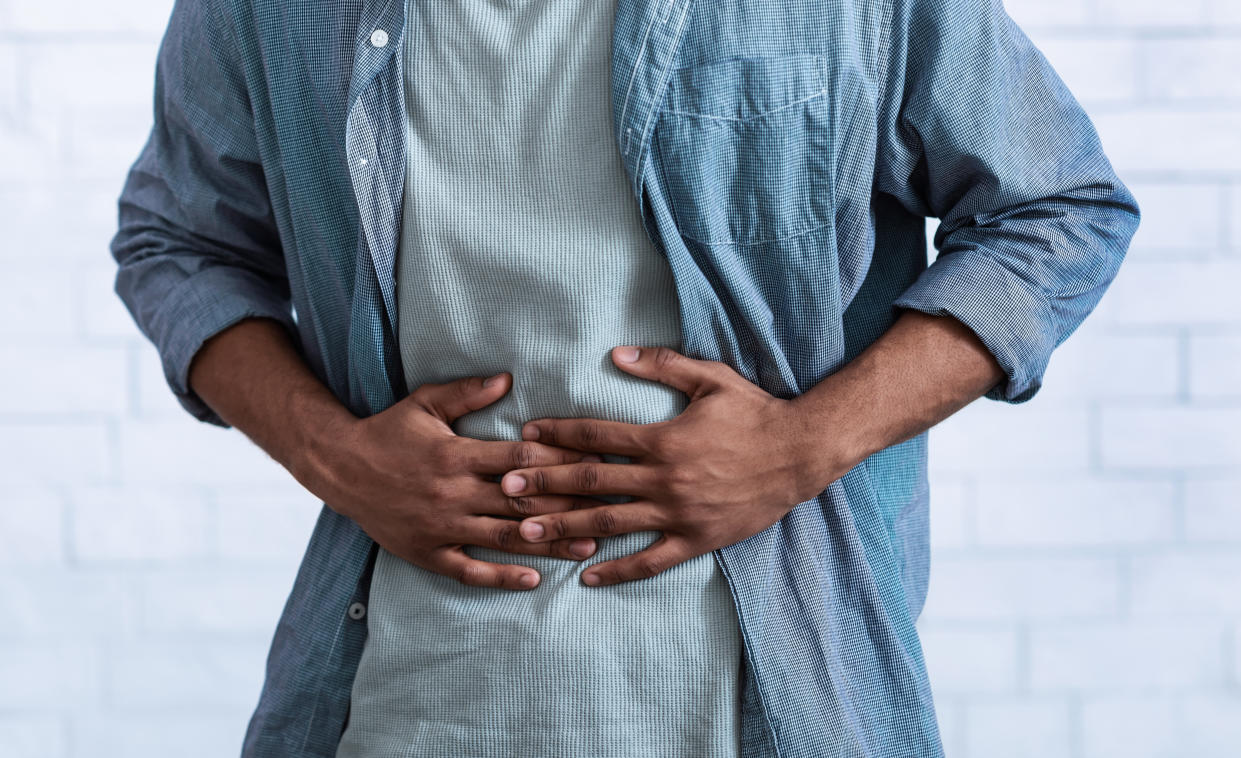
(587, 476)
(503, 535)
(525, 454)
(665, 357)
(539, 479)
(659, 441)
(591, 432)
(605, 521)
(522, 505)
(468, 573)
(648, 566)
(558, 526)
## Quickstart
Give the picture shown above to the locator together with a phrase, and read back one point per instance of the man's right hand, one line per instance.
(423, 492)
(403, 475)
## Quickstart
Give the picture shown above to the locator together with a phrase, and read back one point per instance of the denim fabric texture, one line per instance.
(784, 155)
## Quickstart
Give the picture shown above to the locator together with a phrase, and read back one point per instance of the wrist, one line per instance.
(321, 434)
(832, 430)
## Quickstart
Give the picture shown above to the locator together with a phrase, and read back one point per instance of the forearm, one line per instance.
(253, 377)
(920, 371)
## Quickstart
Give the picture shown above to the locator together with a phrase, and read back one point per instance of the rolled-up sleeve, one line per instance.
(197, 247)
(978, 130)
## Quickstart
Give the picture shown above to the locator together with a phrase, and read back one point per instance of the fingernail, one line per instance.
(491, 380)
(528, 580)
(530, 432)
(513, 483)
(531, 530)
(627, 354)
(590, 579)
(591, 457)
(582, 548)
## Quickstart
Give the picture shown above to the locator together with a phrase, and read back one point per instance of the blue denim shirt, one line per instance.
(784, 153)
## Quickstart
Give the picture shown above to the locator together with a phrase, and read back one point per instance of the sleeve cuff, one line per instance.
(200, 307)
(1011, 318)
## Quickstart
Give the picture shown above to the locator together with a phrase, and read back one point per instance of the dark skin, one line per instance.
(730, 465)
(737, 459)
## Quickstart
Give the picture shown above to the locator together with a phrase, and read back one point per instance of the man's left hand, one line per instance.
(734, 462)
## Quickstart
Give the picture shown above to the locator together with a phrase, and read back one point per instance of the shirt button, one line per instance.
(379, 38)
(357, 611)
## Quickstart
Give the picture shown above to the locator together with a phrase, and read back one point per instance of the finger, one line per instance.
(604, 521)
(488, 499)
(659, 556)
(590, 434)
(501, 534)
(581, 479)
(692, 376)
(454, 563)
(500, 456)
(451, 400)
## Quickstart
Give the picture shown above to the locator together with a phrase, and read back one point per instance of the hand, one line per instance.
(422, 492)
(729, 466)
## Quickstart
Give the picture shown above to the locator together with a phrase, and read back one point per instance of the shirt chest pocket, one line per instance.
(743, 147)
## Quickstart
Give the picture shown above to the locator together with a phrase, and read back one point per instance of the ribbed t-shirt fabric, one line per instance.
(523, 250)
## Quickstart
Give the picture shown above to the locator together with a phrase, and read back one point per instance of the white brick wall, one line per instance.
(1085, 597)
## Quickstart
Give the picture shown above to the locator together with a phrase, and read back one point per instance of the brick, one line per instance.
(54, 451)
(103, 313)
(269, 527)
(1181, 293)
(31, 527)
(1095, 70)
(1092, 364)
(1123, 655)
(1035, 14)
(146, 17)
(969, 659)
(1019, 729)
(190, 673)
(1156, 13)
(33, 736)
(1183, 217)
(140, 524)
(1225, 12)
(84, 604)
(186, 451)
(1186, 582)
(1215, 365)
(197, 735)
(1213, 510)
(1151, 138)
(1211, 726)
(1188, 68)
(993, 436)
(9, 81)
(32, 307)
(978, 588)
(1078, 511)
(950, 715)
(48, 675)
(102, 144)
(1172, 437)
(1236, 656)
(215, 599)
(1232, 220)
(64, 378)
(1130, 726)
(156, 400)
(123, 74)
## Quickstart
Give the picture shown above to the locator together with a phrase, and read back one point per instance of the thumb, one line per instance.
(448, 401)
(692, 376)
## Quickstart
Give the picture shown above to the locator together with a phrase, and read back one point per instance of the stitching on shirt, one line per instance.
(763, 241)
(747, 120)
